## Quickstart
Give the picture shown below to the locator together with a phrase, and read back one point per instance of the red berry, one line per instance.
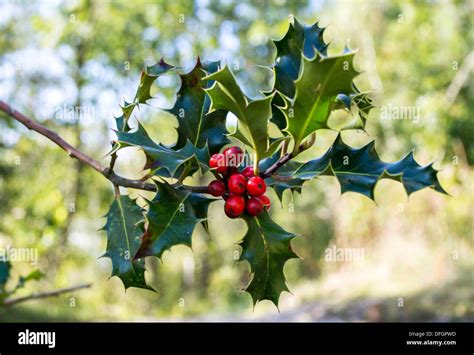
(248, 172)
(218, 161)
(254, 206)
(265, 201)
(230, 171)
(256, 186)
(233, 170)
(234, 206)
(233, 156)
(216, 188)
(236, 184)
(213, 161)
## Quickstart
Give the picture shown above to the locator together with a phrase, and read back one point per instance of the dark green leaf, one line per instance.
(124, 229)
(122, 121)
(267, 247)
(253, 115)
(299, 39)
(172, 216)
(322, 79)
(148, 77)
(164, 161)
(362, 101)
(359, 169)
(280, 186)
(191, 108)
(278, 117)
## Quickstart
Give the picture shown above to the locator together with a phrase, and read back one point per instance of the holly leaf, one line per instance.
(359, 170)
(253, 115)
(191, 108)
(321, 80)
(280, 186)
(278, 117)
(299, 39)
(164, 161)
(148, 77)
(122, 121)
(266, 247)
(362, 101)
(364, 104)
(172, 216)
(124, 227)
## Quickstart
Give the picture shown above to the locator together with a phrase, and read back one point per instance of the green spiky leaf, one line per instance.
(278, 117)
(362, 101)
(164, 161)
(122, 121)
(143, 93)
(124, 228)
(172, 217)
(322, 79)
(359, 170)
(148, 77)
(267, 247)
(299, 39)
(191, 108)
(253, 115)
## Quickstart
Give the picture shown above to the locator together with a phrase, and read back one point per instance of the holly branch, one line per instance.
(107, 172)
(309, 86)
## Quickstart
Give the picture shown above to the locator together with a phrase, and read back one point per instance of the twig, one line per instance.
(113, 159)
(283, 160)
(459, 79)
(286, 157)
(35, 296)
(108, 173)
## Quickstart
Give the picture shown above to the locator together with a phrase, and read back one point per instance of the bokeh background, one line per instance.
(418, 253)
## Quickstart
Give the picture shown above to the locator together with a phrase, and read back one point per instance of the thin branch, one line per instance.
(36, 296)
(283, 160)
(121, 181)
(53, 136)
(108, 173)
(286, 157)
(460, 79)
(113, 159)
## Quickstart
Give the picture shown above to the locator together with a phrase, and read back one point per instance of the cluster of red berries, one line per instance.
(241, 190)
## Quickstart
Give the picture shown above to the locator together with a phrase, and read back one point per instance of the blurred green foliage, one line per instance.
(88, 54)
